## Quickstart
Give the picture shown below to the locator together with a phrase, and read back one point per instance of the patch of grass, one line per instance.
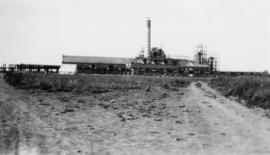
(89, 83)
(254, 90)
(180, 83)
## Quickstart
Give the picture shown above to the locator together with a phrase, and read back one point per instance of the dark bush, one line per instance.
(166, 86)
(198, 84)
(13, 79)
(255, 90)
(180, 83)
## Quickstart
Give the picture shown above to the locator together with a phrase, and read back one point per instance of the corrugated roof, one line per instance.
(91, 59)
(185, 62)
(198, 65)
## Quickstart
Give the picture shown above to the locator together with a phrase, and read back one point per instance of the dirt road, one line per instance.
(192, 120)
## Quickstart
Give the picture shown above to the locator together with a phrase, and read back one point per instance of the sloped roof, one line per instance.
(198, 65)
(97, 60)
(183, 62)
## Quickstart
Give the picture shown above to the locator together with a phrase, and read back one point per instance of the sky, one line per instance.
(41, 31)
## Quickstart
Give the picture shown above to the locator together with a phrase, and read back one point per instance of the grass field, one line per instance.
(82, 113)
(90, 83)
(111, 114)
(254, 90)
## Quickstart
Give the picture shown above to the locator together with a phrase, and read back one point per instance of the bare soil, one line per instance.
(192, 120)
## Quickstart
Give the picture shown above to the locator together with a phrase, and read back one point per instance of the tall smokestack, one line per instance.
(148, 37)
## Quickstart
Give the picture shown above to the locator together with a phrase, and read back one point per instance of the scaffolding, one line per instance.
(200, 56)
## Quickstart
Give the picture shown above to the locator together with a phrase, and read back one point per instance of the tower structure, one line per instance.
(200, 54)
(148, 37)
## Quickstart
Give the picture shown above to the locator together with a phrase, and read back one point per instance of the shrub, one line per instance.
(166, 86)
(255, 90)
(198, 84)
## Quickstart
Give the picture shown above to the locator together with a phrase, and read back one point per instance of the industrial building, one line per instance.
(95, 65)
(151, 64)
(136, 66)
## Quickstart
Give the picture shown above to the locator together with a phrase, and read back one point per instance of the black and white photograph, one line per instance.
(134, 77)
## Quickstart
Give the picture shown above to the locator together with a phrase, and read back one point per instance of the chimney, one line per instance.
(148, 37)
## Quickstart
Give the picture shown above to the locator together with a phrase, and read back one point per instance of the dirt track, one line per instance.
(162, 121)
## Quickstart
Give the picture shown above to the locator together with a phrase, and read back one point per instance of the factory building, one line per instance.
(154, 63)
(134, 66)
(96, 65)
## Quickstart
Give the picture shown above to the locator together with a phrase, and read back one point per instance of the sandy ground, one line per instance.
(192, 120)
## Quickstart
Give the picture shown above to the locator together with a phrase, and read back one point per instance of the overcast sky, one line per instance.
(41, 31)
